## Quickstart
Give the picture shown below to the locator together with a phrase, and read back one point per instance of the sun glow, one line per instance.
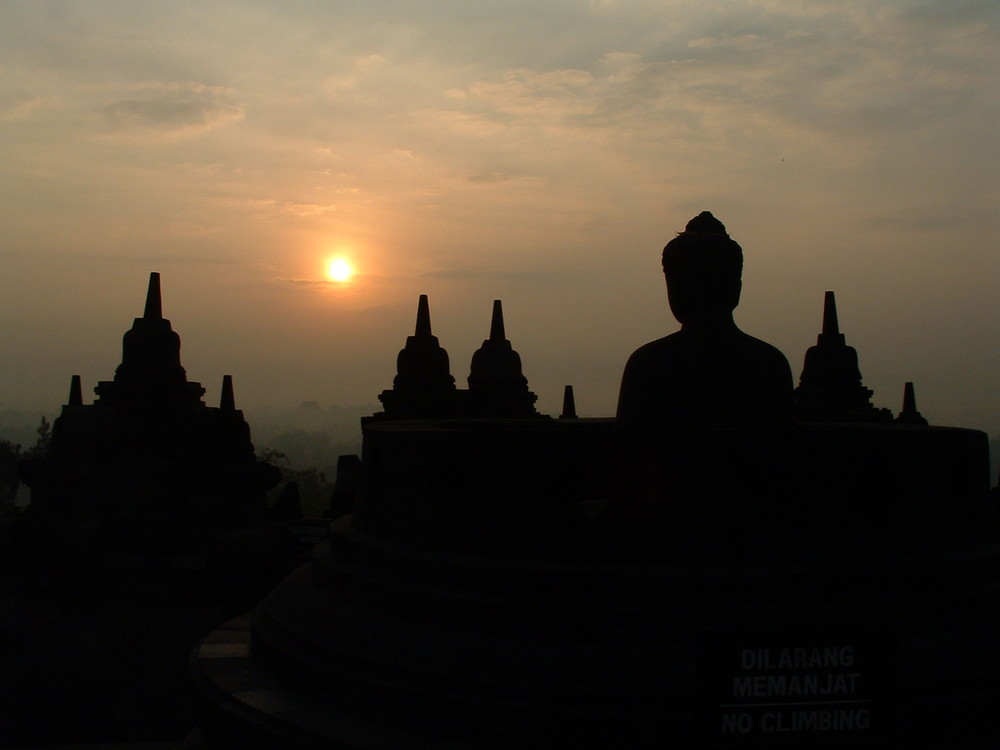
(339, 269)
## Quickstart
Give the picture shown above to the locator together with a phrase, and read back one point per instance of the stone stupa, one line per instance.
(149, 457)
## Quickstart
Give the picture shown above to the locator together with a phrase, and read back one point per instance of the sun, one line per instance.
(339, 269)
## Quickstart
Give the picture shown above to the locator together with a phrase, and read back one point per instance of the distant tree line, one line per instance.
(10, 454)
(315, 489)
(314, 486)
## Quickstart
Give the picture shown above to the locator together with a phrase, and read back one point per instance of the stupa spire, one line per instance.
(75, 392)
(154, 304)
(569, 404)
(496, 325)
(228, 400)
(830, 324)
(831, 327)
(909, 414)
(423, 328)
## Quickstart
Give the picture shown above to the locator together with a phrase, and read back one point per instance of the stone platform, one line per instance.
(533, 584)
(453, 651)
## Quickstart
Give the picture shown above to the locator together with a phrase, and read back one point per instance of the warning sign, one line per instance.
(795, 685)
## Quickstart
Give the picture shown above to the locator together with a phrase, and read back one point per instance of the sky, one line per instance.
(538, 153)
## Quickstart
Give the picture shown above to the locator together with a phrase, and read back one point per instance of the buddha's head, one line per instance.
(703, 268)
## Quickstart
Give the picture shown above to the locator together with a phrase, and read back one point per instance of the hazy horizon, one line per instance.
(538, 154)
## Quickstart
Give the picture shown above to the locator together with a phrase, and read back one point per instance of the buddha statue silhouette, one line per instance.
(710, 373)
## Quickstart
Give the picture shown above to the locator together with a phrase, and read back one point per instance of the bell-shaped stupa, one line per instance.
(497, 387)
(424, 385)
(148, 452)
(830, 387)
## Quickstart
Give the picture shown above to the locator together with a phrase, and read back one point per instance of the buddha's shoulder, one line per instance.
(657, 349)
(761, 348)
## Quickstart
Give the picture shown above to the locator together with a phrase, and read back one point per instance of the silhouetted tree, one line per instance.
(10, 454)
(313, 486)
(41, 447)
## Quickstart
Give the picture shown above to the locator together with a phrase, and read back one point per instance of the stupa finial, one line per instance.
(154, 305)
(75, 392)
(496, 325)
(228, 400)
(423, 318)
(909, 414)
(569, 404)
(830, 325)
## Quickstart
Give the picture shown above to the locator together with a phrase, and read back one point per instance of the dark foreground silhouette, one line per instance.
(705, 574)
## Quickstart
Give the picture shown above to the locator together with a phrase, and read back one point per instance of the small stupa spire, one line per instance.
(228, 400)
(569, 404)
(154, 305)
(496, 325)
(831, 326)
(75, 391)
(423, 318)
(909, 414)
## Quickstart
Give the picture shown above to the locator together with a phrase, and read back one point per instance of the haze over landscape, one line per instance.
(539, 153)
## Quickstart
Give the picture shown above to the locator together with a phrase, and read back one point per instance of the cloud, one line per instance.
(953, 12)
(931, 219)
(145, 258)
(305, 210)
(327, 283)
(490, 178)
(467, 274)
(856, 74)
(308, 283)
(173, 108)
(17, 104)
(449, 140)
(741, 43)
